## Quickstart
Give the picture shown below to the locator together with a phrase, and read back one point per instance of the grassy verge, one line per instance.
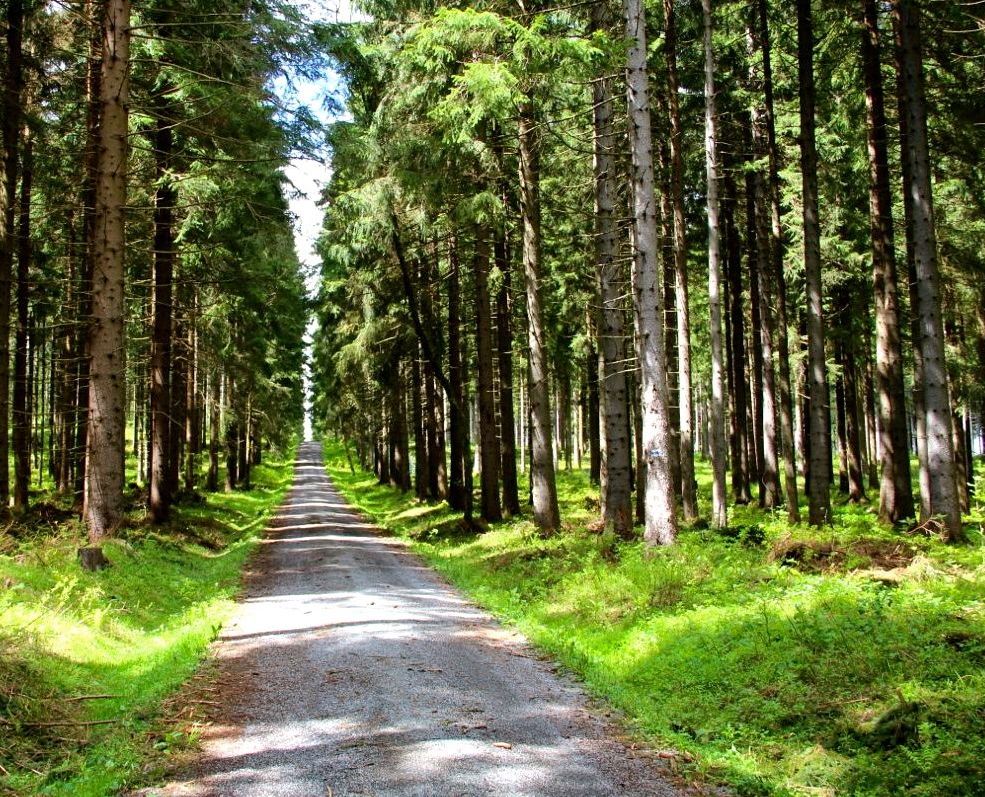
(86, 659)
(783, 660)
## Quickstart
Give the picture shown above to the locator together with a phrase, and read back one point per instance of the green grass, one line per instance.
(858, 671)
(136, 631)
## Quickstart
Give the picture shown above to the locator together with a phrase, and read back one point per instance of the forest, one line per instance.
(152, 314)
(656, 328)
(767, 257)
(679, 305)
(154, 306)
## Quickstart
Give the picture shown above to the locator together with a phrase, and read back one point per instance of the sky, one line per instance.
(307, 178)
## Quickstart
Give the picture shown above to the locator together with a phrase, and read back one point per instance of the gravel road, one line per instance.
(351, 668)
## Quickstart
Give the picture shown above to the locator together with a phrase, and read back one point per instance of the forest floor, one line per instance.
(775, 659)
(351, 668)
(89, 662)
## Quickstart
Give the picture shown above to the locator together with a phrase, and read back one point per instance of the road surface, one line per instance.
(351, 668)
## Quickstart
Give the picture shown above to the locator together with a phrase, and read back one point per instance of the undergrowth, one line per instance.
(86, 659)
(783, 660)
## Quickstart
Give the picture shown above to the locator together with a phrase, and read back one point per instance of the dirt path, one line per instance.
(352, 669)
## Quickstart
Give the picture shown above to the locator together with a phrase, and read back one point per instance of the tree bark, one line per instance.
(504, 336)
(66, 367)
(107, 343)
(215, 398)
(936, 398)
(853, 431)
(895, 487)
(593, 430)
(190, 397)
(434, 436)
(400, 473)
(719, 517)
(738, 395)
(670, 314)
(614, 468)
(456, 489)
(785, 412)
(22, 409)
(819, 496)
(754, 239)
(660, 520)
(547, 516)
(689, 500)
(176, 408)
(418, 418)
(10, 131)
(160, 344)
(490, 507)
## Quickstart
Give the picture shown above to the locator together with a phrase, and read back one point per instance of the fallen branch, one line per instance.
(59, 723)
(77, 698)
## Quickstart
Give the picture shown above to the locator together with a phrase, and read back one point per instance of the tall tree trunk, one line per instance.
(243, 431)
(215, 398)
(546, 513)
(94, 114)
(176, 408)
(10, 129)
(592, 408)
(785, 412)
(401, 438)
(736, 323)
(895, 488)
(490, 507)
(65, 369)
(766, 337)
(437, 450)
(660, 521)
(840, 425)
(616, 450)
(670, 313)
(22, 410)
(757, 325)
(418, 418)
(563, 378)
(689, 500)
(191, 397)
(818, 493)
(232, 453)
(107, 342)
(937, 403)
(434, 436)
(456, 488)
(160, 344)
(719, 517)
(853, 430)
(504, 335)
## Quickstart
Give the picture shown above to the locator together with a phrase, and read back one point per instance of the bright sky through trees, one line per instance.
(308, 176)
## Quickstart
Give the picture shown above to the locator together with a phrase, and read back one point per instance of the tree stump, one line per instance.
(92, 558)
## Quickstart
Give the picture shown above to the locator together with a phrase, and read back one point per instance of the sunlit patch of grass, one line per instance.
(134, 632)
(777, 675)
